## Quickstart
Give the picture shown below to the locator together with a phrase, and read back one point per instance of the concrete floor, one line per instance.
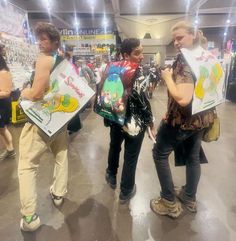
(91, 211)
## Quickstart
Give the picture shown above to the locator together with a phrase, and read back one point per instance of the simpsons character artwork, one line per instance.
(67, 94)
(115, 87)
(209, 75)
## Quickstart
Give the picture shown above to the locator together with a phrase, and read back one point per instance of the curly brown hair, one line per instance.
(48, 29)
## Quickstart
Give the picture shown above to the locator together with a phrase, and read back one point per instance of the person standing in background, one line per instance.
(5, 107)
(99, 69)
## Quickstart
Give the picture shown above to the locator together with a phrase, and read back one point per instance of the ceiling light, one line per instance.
(91, 3)
(225, 33)
(105, 22)
(228, 21)
(47, 4)
(76, 23)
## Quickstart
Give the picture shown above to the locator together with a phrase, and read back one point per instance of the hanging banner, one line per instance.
(67, 95)
(13, 20)
(85, 31)
(210, 77)
(88, 35)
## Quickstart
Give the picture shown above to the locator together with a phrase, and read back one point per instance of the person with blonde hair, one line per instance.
(5, 107)
(180, 131)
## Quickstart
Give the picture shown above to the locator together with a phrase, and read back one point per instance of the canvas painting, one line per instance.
(68, 93)
(210, 78)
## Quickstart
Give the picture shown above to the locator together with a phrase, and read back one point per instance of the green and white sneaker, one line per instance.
(30, 223)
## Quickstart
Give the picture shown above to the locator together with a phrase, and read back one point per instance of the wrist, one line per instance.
(168, 80)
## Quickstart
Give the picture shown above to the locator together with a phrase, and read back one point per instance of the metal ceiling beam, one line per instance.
(197, 5)
(225, 10)
(55, 15)
(116, 7)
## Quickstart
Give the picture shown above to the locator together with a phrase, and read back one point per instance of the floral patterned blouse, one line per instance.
(179, 116)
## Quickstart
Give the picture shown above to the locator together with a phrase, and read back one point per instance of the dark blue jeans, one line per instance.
(132, 148)
(168, 138)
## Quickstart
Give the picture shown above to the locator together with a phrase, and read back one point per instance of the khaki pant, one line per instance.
(32, 144)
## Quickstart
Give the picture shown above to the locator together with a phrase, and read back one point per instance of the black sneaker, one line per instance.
(57, 200)
(111, 179)
(126, 197)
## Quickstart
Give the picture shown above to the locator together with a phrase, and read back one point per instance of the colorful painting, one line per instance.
(115, 88)
(210, 77)
(68, 93)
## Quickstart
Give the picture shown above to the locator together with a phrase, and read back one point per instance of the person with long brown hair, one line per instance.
(180, 128)
(5, 107)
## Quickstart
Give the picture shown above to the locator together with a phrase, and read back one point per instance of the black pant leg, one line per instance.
(131, 153)
(116, 139)
(74, 124)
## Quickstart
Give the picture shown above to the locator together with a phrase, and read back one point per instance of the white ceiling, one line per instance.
(153, 16)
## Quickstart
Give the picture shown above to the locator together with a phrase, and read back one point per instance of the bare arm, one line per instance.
(182, 92)
(41, 79)
(5, 84)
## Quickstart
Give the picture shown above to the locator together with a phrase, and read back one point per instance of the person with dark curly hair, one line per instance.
(5, 107)
(33, 142)
(138, 118)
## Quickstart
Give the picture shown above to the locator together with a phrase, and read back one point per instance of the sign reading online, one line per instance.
(68, 93)
(208, 91)
(87, 34)
(85, 31)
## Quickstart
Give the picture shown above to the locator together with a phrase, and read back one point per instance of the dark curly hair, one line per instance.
(128, 45)
(48, 29)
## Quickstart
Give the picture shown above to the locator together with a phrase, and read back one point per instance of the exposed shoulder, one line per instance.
(43, 57)
(44, 61)
(5, 73)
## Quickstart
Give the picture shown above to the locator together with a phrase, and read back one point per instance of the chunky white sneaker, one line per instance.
(57, 200)
(30, 223)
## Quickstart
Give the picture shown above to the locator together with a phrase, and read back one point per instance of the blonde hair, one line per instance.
(191, 29)
(203, 40)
